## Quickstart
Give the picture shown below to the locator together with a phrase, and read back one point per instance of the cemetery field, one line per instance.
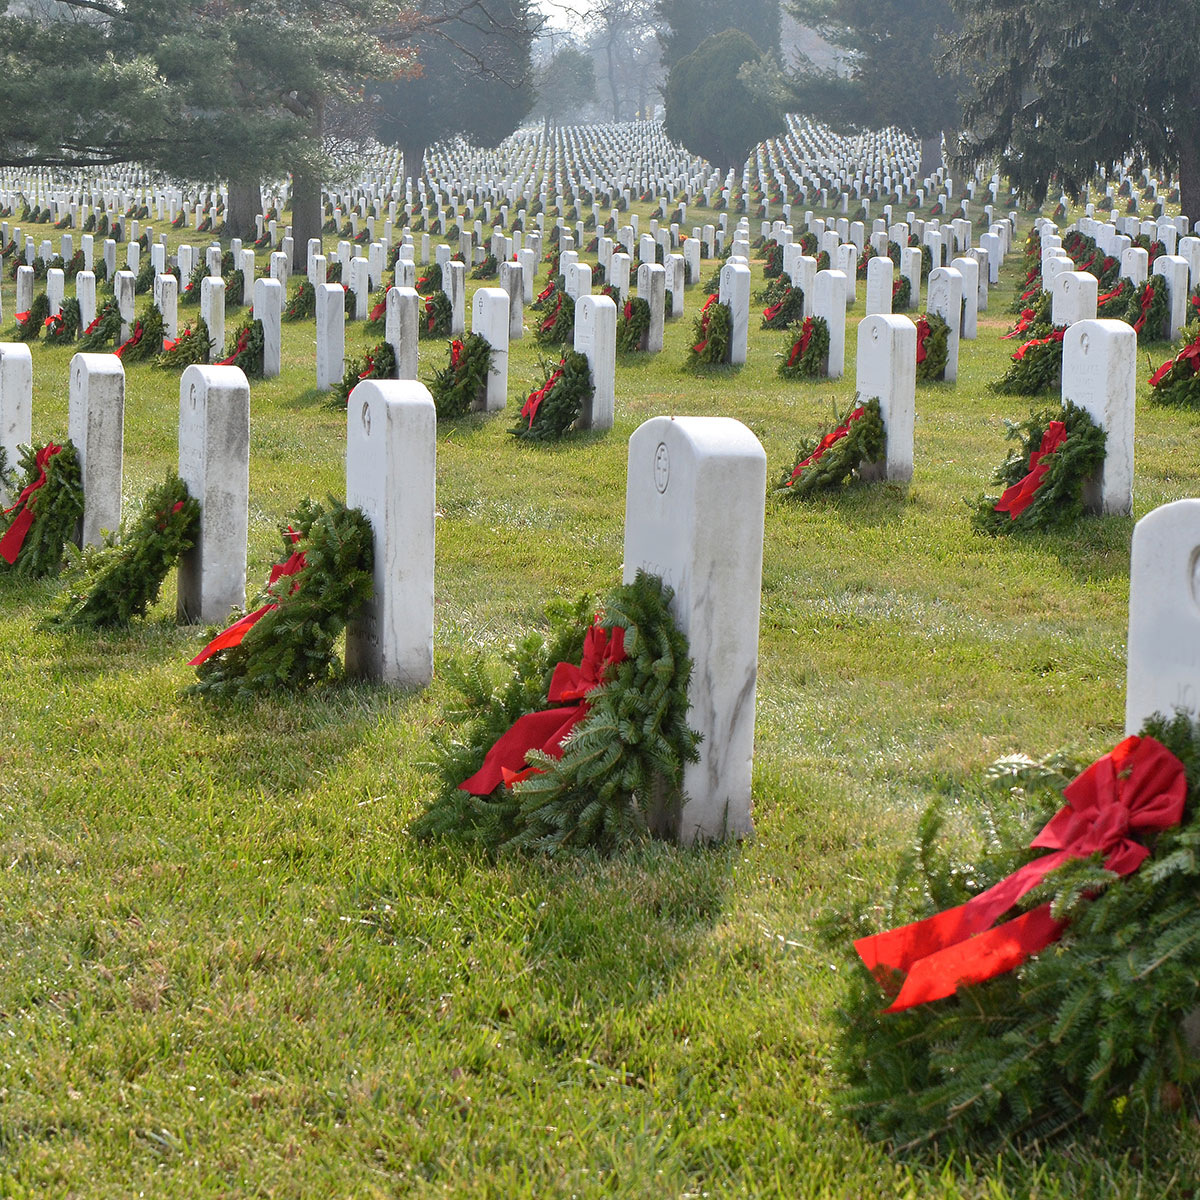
(231, 971)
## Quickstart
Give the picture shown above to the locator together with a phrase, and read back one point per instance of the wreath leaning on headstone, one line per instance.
(825, 462)
(247, 349)
(785, 309)
(519, 775)
(557, 327)
(439, 314)
(1177, 381)
(713, 334)
(1036, 366)
(191, 346)
(289, 642)
(1149, 309)
(121, 579)
(808, 356)
(65, 325)
(145, 339)
(1088, 1030)
(30, 323)
(633, 328)
(551, 409)
(1043, 479)
(380, 363)
(459, 385)
(49, 506)
(303, 304)
(933, 347)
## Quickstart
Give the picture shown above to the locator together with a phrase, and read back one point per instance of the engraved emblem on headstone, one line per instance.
(366, 417)
(662, 467)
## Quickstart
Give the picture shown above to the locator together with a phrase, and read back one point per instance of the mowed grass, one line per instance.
(230, 971)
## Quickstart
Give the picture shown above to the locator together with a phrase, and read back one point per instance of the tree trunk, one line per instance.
(306, 217)
(1189, 176)
(931, 155)
(245, 203)
(612, 82)
(414, 161)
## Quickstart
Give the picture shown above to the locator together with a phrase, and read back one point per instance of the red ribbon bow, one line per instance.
(14, 536)
(233, 636)
(1016, 499)
(1020, 352)
(924, 329)
(801, 344)
(1190, 354)
(243, 340)
(21, 317)
(134, 339)
(698, 348)
(530, 407)
(1138, 786)
(1110, 295)
(378, 311)
(836, 435)
(1147, 300)
(1027, 316)
(546, 731)
(769, 314)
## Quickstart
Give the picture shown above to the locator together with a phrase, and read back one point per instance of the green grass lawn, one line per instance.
(231, 971)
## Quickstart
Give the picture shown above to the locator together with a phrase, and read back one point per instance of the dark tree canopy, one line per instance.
(1064, 87)
(475, 79)
(710, 111)
(897, 76)
(684, 24)
(566, 84)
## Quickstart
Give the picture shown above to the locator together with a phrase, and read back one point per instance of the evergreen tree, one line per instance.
(897, 77)
(475, 78)
(566, 84)
(710, 110)
(687, 23)
(1066, 87)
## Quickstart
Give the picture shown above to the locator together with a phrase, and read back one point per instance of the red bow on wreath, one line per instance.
(233, 636)
(530, 407)
(801, 344)
(1138, 786)
(134, 339)
(1147, 300)
(14, 536)
(546, 731)
(1016, 499)
(698, 348)
(1026, 319)
(1110, 295)
(378, 311)
(770, 313)
(1189, 354)
(1021, 351)
(429, 313)
(830, 439)
(549, 322)
(242, 342)
(924, 329)
(456, 349)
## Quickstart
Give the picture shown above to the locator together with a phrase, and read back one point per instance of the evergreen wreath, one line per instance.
(333, 271)
(459, 385)
(1036, 367)
(303, 304)
(122, 579)
(823, 261)
(191, 289)
(1177, 381)
(554, 407)
(235, 289)
(292, 645)
(557, 328)
(902, 294)
(621, 759)
(64, 327)
(1149, 309)
(808, 357)
(145, 339)
(488, 269)
(1042, 479)
(774, 260)
(380, 363)
(431, 281)
(145, 278)
(439, 313)
(825, 462)
(933, 347)
(247, 349)
(1085, 1040)
(376, 321)
(713, 334)
(785, 310)
(546, 297)
(101, 335)
(29, 324)
(193, 345)
(633, 329)
(56, 508)
(713, 283)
